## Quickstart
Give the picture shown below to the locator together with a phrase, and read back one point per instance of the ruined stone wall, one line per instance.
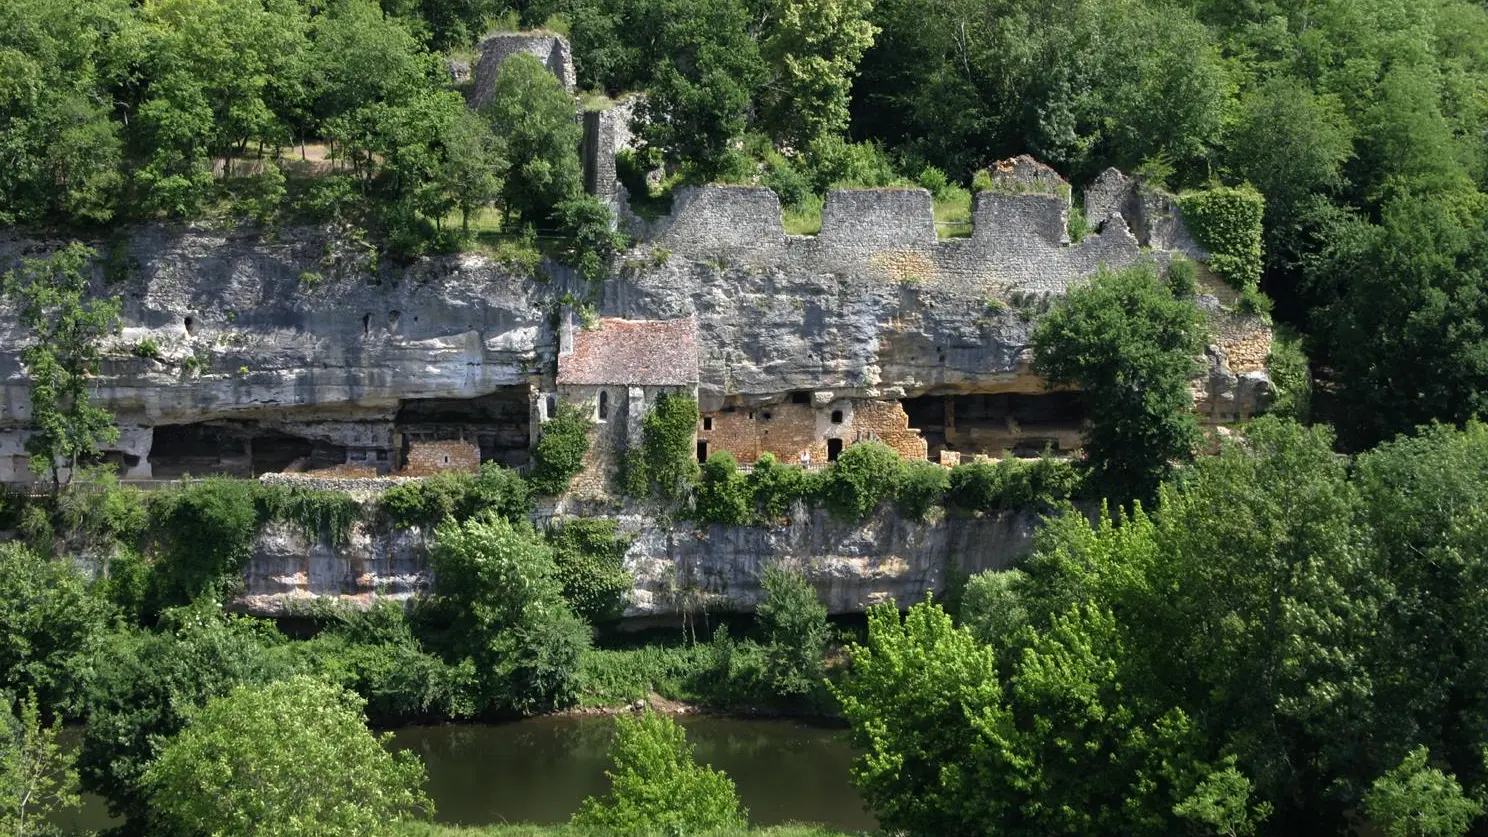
(875, 306)
(426, 459)
(551, 50)
(788, 429)
(886, 421)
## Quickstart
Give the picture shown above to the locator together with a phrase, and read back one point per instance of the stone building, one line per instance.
(615, 371)
(493, 50)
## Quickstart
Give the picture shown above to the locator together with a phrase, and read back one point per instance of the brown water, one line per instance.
(539, 770)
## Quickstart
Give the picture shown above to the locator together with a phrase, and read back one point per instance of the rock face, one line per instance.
(249, 354)
(307, 334)
(677, 569)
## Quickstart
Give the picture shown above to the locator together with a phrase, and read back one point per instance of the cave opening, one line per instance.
(990, 423)
(238, 449)
(498, 423)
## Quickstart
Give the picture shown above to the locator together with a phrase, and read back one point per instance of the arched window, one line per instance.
(604, 405)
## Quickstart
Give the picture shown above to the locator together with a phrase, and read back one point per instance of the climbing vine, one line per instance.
(667, 450)
(1227, 222)
(559, 455)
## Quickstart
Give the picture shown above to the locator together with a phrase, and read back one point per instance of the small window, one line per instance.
(707, 422)
(190, 323)
(702, 450)
(604, 405)
(552, 406)
(766, 415)
(800, 398)
(836, 416)
(445, 460)
(366, 324)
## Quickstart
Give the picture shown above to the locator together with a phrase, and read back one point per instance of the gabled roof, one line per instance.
(620, 352)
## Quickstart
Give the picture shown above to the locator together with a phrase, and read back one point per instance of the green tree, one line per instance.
(795, 628)
(909, 694)
(472, 158)
(66, 327)
(1406, 337)
(60, 153)
(500, 585)
(1414, 800)
(534, 116)
(1130, 347)
(657, 787)
(291, 758)
(48, 619)
(704, 84)
(37, 779)
(140, 688)
(1422, 498)
(814, 47)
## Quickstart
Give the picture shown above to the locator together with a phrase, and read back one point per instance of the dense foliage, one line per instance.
(657, 786)
(559, 454)
(1283, 643)
(1130, 347)
(284, 759)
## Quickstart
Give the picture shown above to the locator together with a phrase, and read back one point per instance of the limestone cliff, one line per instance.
(678, 567)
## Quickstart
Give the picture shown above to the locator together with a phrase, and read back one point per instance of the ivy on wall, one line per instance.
(559, 455)
(1226, 221)
(667, 453)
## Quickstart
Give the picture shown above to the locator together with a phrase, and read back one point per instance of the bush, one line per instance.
(774, 486)
(722, 493)
(836, 162)
(922, 485)
(1291, 377)
(865, 475)
(590, 556)
(559, 455)
(992, 605)
(794, 625)
(1183, 278)
(204, 533)
(614, 677)
(657, 786)
(458, 497)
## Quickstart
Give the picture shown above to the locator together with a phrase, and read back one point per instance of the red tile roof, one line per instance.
(633, 352)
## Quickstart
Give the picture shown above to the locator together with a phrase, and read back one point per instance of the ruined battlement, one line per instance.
(1018, 238)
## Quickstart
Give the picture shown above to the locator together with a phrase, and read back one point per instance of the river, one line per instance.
(538, 770)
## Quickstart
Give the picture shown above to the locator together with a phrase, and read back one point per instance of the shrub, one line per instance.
(559, 455)
(47, 618)
(460, 497)
(722, 493)
(204, 533)
(864, 475)
(795, 628)
(992, 605)
(834, 161)
(657, 786)
(774, 486)
(1291, 378)
(146, 349)
(922, 485)
(313, 512)
(590, 556)
(1183, 278)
